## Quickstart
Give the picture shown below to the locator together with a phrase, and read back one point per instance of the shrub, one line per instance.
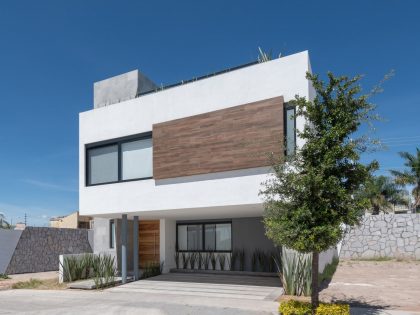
(333, 309)
(152, 269)
(293, 307)
(4, 276)
(304, 308)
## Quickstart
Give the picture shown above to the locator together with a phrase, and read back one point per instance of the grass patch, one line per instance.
(51, 284)
(3, 276)
(379, 258)
(329, 271)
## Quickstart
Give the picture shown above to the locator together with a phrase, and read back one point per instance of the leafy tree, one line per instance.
(383, 193)
(411, 175)
(3, 223)
(314, 192)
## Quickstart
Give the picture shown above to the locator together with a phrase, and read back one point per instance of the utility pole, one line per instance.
(25, 219)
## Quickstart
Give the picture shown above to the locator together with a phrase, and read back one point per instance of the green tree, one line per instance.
(3, 223)
(314, 192)
(383, 193)
(411, 175)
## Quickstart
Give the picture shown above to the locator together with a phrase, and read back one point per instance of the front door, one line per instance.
(149, 242)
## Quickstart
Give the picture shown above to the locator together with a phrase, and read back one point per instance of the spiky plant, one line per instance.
(206, 261)
(233, 259)
(213, 260)
(241, 258)
(185, 260)
(222, 261)
(200, 260)
(193, 259)
(254, 261)
(176, 257)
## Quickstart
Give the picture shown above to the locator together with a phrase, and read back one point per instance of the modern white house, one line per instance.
(178, 169)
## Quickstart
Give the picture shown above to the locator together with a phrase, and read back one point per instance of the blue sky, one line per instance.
(51, 52)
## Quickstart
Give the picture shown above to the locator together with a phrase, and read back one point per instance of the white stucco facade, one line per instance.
(234, 193)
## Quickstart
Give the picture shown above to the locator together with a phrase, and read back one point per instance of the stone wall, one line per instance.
(384, 235)
(39, 248)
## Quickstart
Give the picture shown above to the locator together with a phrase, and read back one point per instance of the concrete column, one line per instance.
(124, 248)
(136, 247)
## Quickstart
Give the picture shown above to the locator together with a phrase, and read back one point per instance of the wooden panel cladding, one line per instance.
(149, 242)
(233, 138)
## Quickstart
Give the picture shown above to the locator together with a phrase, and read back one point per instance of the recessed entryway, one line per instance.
(149, 242)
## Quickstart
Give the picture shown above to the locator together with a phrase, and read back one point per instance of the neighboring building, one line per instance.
(72, 221)
(188, 160)
(20, 226)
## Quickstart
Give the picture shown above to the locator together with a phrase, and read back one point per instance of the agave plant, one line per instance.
(176, 257)
(206, 261)
(193, 259)
(200, 260)
(222, 261)
(213, 260)
(295, 272)
(185, 260)
(254, 261)
(233, 258)
(241, 257)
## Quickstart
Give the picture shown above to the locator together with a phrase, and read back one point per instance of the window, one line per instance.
(137, 159)
(290, 130)
(111, 234)
(103, 164)
(121, 160)
(204, 237)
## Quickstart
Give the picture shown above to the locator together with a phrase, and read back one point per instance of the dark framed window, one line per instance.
(111, 234)
(124, 159)
(290, 129)
(204, 237)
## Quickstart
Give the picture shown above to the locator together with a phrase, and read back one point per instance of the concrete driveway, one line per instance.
(167, 294)
(207, 285)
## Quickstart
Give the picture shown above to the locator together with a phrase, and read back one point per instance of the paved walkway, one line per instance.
(206, 285)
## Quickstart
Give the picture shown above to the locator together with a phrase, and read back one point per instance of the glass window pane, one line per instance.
(195, 237)
(112, 234)
(182, 237)
(290, 131)
(137, 160)
(103, 165)
(210, 237)
(223, 236)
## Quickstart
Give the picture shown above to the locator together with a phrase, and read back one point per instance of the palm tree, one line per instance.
(3, 223)
(383, 193)
(411, 175)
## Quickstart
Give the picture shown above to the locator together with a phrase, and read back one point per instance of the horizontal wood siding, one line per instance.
(234, 138)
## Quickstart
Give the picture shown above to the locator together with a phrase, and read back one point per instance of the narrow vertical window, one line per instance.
(111, 234)
(290, 131)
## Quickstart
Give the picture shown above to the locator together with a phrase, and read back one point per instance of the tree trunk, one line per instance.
(315, 294)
